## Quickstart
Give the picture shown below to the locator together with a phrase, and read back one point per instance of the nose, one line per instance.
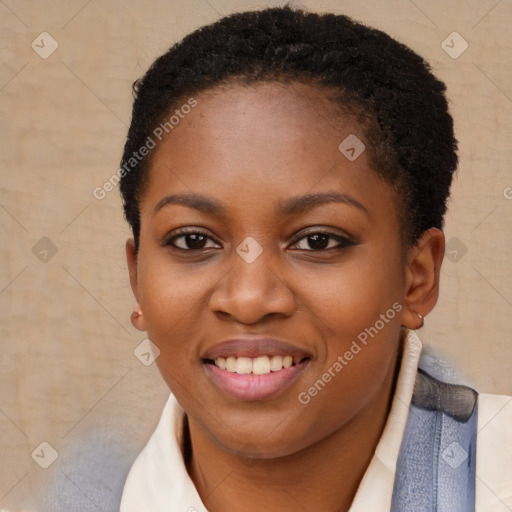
(252, 292)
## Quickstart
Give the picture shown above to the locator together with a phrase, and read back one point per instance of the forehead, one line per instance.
(265, 141)
(290, 108)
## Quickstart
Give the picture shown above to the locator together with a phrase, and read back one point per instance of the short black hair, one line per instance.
(400, 104)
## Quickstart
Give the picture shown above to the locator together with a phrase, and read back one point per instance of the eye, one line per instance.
(321, 241)
(191, 241)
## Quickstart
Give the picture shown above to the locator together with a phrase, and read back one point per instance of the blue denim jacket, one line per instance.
(437, 460)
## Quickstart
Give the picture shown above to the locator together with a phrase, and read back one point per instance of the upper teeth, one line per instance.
(258, 365)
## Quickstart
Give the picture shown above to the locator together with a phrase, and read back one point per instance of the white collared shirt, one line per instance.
(158, 480)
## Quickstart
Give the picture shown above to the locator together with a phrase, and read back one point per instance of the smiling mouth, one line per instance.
(260, 365)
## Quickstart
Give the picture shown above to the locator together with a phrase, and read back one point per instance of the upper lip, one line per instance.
(254, 347)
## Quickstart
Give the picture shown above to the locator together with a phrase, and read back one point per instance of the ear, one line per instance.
(137, 316)
(422, 274)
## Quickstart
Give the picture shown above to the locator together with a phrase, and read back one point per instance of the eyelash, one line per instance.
(343, 241)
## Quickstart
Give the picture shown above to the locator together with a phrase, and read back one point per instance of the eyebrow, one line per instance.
(196, 201)
(292, 206)
(301, 204)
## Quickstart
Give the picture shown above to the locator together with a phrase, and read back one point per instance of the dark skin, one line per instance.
(252, 150)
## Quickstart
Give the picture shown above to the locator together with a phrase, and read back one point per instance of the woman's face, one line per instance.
(262, 241)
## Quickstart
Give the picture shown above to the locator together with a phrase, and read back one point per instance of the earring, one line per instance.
(422, 321)
(135, 314)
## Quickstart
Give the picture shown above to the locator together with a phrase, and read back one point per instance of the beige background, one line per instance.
(67, 367)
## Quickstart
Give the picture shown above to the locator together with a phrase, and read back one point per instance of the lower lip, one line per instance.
(255, 387)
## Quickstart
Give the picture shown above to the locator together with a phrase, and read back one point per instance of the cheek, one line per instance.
(357, 310)
(351, 296)
(167, 290)
(172, 298)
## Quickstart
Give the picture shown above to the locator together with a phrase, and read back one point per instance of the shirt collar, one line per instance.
(376, 488)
